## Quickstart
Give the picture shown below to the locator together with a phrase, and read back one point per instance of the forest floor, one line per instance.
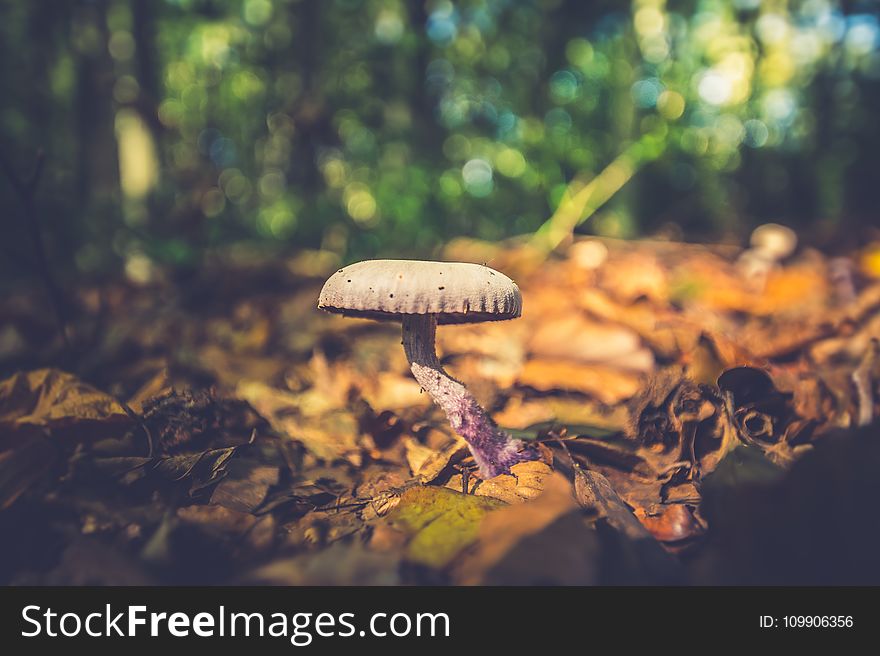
(710, 420)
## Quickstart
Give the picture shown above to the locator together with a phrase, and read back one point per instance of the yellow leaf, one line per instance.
(441, 522)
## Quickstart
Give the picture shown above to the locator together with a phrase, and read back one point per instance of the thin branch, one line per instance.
(581, 199)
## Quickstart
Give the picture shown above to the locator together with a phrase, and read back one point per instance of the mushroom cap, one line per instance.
(776, 241)
(457, 292)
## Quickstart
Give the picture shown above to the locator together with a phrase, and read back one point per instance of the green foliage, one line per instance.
(368, 127)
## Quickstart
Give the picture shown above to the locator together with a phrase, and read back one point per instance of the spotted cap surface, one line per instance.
(457, 292)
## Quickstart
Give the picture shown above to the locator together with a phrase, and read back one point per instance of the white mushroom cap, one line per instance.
(457, 292)
(774, 240)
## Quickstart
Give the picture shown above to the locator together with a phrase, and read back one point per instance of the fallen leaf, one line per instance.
(574, 338)
(326, 432)
(436, 462)
(88, 561)
(520, 413)
(502, 529)
(218, 518)
(630, 275)
(200, 470)
(606, 384)
(526, 481)
(60, 403)
(24, 465)
(594, 492)
(441, 522)
(416, 454)
(671, 523)
(157, 385)
(394, 391)
(196, 419)
(245, 486)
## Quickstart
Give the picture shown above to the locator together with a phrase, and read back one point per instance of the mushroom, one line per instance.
(421, 295)
(776, 242)
(771, 243)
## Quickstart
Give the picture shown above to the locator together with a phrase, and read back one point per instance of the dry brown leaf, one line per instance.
(42, 406)
(594, 492)
(229, 367)
(502, 529)
(671, 523)
(484, 373)
(392, 391)
(23, 465)
(326, 432)
(502, 487)
(61, 404)
(606, 384)
(630, 275)
(219, 518)
(416, 453)
(522, 413)
(245, 487)
(338, 564)
(531, 477)
(501, 341)
(802, 289)
(653, 325)
(438, 461)
(575, 338)
(525, 482)
(156, 385)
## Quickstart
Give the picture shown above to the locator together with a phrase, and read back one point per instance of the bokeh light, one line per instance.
(381, 125)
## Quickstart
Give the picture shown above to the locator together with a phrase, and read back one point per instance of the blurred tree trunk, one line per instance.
(40, 44)
(146, 69)
(146, 64)
(424, 121)
(144, 33)
(97, 163)
(310, 111)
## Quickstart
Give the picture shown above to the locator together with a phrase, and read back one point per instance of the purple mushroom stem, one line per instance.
(494, 450)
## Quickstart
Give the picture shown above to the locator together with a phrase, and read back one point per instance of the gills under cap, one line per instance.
(457, 292)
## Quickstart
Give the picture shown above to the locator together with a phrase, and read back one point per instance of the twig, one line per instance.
(139, 421)
(581, 199)
(26, 191)
(574, 465)
(864, 383)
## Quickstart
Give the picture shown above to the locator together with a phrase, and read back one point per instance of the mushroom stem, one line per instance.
(494, 450)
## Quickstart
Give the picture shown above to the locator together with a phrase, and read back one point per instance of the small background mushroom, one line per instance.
(771, 243)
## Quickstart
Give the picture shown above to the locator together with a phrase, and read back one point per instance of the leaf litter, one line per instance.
(236, 435)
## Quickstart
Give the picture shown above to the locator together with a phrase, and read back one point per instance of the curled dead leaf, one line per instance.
(671, 523)
(60, 403)
(436, 462)
(594, 492)
(526, 481)
(605, 383)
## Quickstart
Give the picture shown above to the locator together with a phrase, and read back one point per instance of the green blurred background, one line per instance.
(176, 128)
